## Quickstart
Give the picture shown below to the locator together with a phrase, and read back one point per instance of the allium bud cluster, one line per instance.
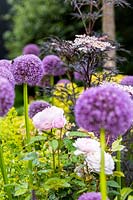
(37, 106)
(90, 196)
(53, 65)
(7, 96)
(105, 107)
(127, 80)
(27, 69)
(31, 49)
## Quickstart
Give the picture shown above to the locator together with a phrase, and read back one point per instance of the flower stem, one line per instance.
(103, 188)
(25, 90)
(4, 172)
(59, 146)
(53, 155)
(118, 168)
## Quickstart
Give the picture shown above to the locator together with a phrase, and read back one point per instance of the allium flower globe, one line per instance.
(86, 145)
(78, 76)
(53, 65)
(27, 69)
(52, 117)
(63, 81)
(127, 80)
(93, 162)
(105, 107)
(37, 106)
(90, 196)
(5, 64)
(5, 73)
(6, 96)
(31, 49)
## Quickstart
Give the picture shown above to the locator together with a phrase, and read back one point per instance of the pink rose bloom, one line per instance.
(51, 117)
(86, 145)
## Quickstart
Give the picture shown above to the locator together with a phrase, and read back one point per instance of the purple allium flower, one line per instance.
(6, 96)
(105, 107)
(5, 63)
(37, 106)
(44, 82)
(53, 65)
(90, 196)
(78, 76)
(31, 49)
(127, 80)
(5, 73)
(63, 81)
(27, 69)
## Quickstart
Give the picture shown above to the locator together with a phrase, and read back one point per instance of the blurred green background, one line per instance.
(31, 21)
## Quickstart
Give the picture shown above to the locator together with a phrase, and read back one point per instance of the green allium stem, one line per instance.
(59, 146)
(4, 172)
(53, 156)
(103, 187)
(52, 84)
(118, 168)
(25, 91)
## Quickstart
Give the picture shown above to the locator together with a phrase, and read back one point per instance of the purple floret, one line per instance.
(105, 107)
(128, 80)
(7, 96)
(31, 49)
(78, 76)
(5, 73)
(44, 82)
(53, 65)
(64, 81)
(90, 196)
(27, 69)
(5, 64)
(37, 106)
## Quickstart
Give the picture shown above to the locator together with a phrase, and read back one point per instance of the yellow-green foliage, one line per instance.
(99, 77)
(12, 134)
(65, 95)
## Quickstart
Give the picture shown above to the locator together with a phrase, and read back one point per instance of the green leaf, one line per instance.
(118, 174)
(116, 146)
(37, 139)
(125, 192)
(113, 192)
(130, 197)
(21, 189)
(20, 192)
(113, 184)
(54, 144)
(77, 134)
(56, 183)
(30, 156)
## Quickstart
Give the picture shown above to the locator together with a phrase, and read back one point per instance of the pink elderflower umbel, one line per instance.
(105, 107)
(7, 96)
(31, 49)
(86, 43)
(52, 117)
(27, 69)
